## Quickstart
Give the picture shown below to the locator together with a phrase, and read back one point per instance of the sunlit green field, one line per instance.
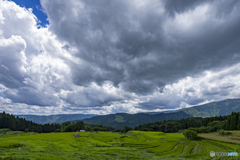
(106, 145)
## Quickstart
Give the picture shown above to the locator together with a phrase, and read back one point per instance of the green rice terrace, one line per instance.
(108, 145)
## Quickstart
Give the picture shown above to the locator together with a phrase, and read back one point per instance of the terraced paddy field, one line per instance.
(107, 145)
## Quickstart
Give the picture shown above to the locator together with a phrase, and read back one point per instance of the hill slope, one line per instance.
(55, 118)
(212, 109)
(225, 107)
(120, 120)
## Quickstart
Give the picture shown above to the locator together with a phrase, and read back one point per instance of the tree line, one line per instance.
(170, 126)
(21, 124)
(198, 124)
(74, 126)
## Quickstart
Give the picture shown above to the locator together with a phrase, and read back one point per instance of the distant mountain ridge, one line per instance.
(225, 107)
(152, 113)
(119, 120)
(55, 118)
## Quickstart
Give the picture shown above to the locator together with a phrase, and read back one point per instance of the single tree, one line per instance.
(190, 134)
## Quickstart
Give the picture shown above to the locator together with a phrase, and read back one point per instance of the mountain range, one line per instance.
(119, 120)
(225, 107)
(55, 118)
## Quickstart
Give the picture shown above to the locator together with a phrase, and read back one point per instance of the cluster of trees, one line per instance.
(212, 124)
(98, 127)
(190, 134)
(125, 129)
(72, 127)
(211, 127)
(171, 126)
(20, 124)
(197, 124)
(222, 132)
(206, 121)
(233, 121)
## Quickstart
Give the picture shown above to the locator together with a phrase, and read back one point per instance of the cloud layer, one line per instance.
(118, 56)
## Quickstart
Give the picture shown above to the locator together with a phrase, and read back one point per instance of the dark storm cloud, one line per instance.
(11, 74)
(222, 90)
(90, 97)
(31, 97)
(174, 7)
(108, 53)
(75, 109)
(131, 48)
(177, 7)
(106, 40)
(157, 105)
(195, 101)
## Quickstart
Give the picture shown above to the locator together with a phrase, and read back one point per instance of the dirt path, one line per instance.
(192, 150)
(173, 148)
(145, 151)
(16, 133)
(180, 141)
(198, 148)
(185, 149)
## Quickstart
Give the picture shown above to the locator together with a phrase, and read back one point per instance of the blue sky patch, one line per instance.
(37, 9)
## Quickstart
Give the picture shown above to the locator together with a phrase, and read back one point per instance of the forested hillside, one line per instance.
(200, 125)
(120, 120)
(225, 107)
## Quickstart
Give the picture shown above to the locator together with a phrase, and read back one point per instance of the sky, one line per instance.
(109, 56)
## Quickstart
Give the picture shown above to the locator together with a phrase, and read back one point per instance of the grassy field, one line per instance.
(107, 145)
